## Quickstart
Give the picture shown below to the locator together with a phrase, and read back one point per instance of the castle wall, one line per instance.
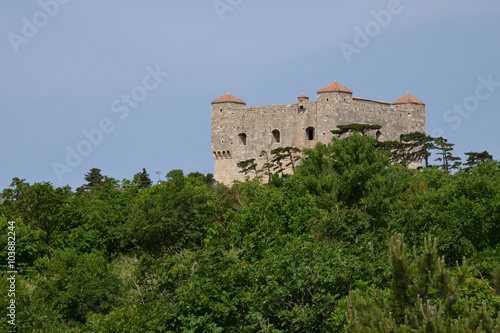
(257, 123)
(240, 133)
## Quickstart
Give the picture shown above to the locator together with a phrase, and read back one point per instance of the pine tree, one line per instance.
(277, 161)
(284, 153)
(93, 178)
(422, 297)
(448, 161)
(397, 149)
(474, 158)
(267, 166)
(142, 179)
(350, 128)
(247, 166)
(419, 147)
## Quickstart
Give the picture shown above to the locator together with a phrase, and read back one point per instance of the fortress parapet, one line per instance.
(240, 132)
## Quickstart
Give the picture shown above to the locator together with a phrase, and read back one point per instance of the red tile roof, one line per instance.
(303, 96)
(335, 87)
(228, 98)
(408, 99)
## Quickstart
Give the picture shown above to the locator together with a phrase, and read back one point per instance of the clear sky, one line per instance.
(123, 85)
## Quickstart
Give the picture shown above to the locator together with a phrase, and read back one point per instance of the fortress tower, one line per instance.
(240, 132)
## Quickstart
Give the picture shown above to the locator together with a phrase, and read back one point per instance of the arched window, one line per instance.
(276, 136)
(401, 137)
(378, 135)
(243, 139)
(310, 133)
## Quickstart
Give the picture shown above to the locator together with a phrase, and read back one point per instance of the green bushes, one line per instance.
(302, 254)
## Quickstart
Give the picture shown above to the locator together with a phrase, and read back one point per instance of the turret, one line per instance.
(227, 102)
(303, 100)
(226, 143)
(408, 99)
(223, 109)
(413, 110)
(334, 106)
(334, 91)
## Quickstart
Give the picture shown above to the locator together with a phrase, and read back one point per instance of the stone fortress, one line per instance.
(240, 132)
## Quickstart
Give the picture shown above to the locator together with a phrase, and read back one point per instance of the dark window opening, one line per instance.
(243, 139)
(378, 135)
(276, 136)
(310, 133)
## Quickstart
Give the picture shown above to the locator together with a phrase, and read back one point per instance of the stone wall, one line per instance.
(240, 132)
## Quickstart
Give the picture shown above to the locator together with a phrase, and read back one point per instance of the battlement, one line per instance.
(241, 132)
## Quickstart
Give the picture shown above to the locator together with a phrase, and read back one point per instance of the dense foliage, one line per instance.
(321, 250)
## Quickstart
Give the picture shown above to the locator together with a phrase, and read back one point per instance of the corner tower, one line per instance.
(334, 107)
(414, 111)
(226, 142)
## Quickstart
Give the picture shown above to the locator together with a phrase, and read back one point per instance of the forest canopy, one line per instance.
(351, 240)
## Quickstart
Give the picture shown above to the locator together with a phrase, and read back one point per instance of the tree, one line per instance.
(142, 179)
(38, 205)
(343, 171)
(94, 178)
(29, 244)
(423, 297)
(277, 161)
(94, 220)
(448, 161)
(474, 158)
(268, 165)
(356, 161)
(173, 214)
(207, 179)
(419, 147)
(291, 153)
(398, 150)
(76, 284)
(414, 147)
(351, 128)
(247, 166)
(175, 174)
(283, 153)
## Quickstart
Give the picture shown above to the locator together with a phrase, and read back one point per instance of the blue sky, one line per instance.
(67, 65)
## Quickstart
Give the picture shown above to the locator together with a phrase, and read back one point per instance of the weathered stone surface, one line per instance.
(240, 132)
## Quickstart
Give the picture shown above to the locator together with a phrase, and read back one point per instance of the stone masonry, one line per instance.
(240, 132)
